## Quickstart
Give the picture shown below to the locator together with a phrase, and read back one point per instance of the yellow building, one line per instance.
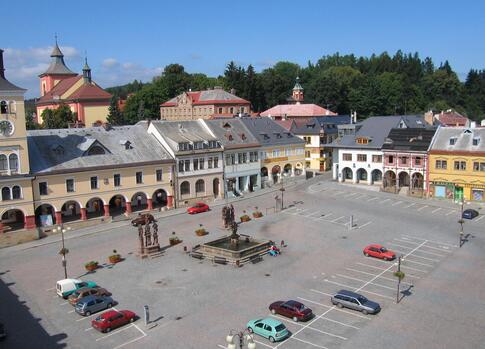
(457, 164)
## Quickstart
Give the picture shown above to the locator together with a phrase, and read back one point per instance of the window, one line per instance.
(220, 110)
(376, 158)
(43, 188)
(362, 140)
(117, 180)
(70, 185)
(3, 107)
(94, 182)
(185, 188)
(404, 160)
(390, 159)
(440, 164)
(307, 154)
(308, 140)
(13, 162)
(201, 163)
(347, 157)
(361, 157)
(187, 165)
(181, 166)
(452, 141)
(476, 141)
(3, 163)
(196, 164)
(209, 163)
(6, 194)
(96, 150)
(159, 175)
(16, 192)
(200, 186)
(276, 153)
(230, 159)
(231, 110)
(139, 177)
(479, 166)
(460, 165)
(418, 161)
(216, 162)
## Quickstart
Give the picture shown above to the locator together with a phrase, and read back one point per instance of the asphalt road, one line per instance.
(194, 304)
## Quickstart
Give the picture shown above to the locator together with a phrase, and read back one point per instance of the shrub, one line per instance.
(201, 232)
(92, 265)
(115, 257)
(257, 214)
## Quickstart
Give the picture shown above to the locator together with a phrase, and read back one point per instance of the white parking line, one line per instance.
(385, 201)
(50, 289)
(363, 225)
(115, 332)
(336, 219)
(336, 309)
(479, 219)
(311, 214)
(437, 249)
(410, 205)
(349, 196)
(433, 241)
(452, 211)
(63, 303)
(311, 328)
(436, 210)
(88, 329)
(264, 344)
(373, 198)
(70, 312)
(301, 340)
(360, 196)
(358, 289)
(372, 283)
(421, 251)
(421, 208)
(426, 258)
(324, 215)
(380, 277)
(396, 203)
(371, 266)
(86, 317)
(340, 323)
(419, 263)
(129, 342)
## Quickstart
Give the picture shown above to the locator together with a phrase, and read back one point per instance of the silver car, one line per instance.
(92, 304)
(355, 301)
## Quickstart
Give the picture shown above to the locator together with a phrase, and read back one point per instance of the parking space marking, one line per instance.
(363, 225)
(426, 258)
(438, 249)
(63, 303)
(324, 215)
(264, 344)
(360, 196)
(436, 210)
(86, 317)
(479, 219)
(422, 207)
(351, 194)
(359, 289)
(432, 241)
(301, 340)
(115, 332)
(340, 323)
(385, 201)
(88, 329)
(336, 219)
(396, 203)
(336, 309)
(50, 289)
(129, 342)
(373, 198)
(371, 266)
(311, 214)
(419, 263)
(380, 277)
(452, 211)
(421, 251)
(70, 312)
(410, 205)
(311, 328)
(372, 283)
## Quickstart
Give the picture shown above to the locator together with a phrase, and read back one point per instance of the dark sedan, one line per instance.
(469, 213)
(292, 309)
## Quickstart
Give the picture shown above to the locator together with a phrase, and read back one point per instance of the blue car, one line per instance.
(268, 328)
(469, 213)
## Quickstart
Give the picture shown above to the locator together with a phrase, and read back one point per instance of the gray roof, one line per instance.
(270, 133)
(463, 139)
(64, 150)
(409, 139)
(376, 129)
(6, 85)
(313, 126)
(188, 131)
(232, 133)
(57, 66)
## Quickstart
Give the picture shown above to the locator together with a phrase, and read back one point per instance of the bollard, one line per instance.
(146, 313)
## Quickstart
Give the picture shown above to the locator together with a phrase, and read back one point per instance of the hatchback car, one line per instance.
(352, 300)
(87, 291)
(469, 213)
(268, 328)
(292, 309)
(92, 304)
(113, 319)
(198, 208)
(142, 219)
(379, 251)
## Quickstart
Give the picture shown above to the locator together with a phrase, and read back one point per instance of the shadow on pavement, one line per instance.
(23, 329)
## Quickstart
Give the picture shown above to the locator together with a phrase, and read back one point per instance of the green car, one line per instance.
(268, 328)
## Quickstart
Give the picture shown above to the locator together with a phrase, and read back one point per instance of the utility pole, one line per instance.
(400, 275)
(461, 221)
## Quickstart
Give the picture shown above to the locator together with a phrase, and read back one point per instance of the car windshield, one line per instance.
(383, 249)
(99, 318)
(301, 307)
(280, 327)
(362, 299)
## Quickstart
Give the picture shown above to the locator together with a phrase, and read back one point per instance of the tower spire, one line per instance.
(57, 66)
(297, 91)
(86, 70)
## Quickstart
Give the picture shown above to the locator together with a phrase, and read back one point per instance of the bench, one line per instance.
(197, 255)
(219, 260)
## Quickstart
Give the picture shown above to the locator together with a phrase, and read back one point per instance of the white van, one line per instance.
(67, 286)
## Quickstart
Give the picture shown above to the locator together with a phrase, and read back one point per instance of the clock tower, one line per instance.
(16, 201)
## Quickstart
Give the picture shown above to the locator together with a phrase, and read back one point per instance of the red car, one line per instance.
(113, 319)
(198, 208)
(292, 309)
(379, 251)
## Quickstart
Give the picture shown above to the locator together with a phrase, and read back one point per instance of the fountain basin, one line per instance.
(244, 250)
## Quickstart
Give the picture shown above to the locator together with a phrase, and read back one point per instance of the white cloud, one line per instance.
(114, 73)
(109, 63)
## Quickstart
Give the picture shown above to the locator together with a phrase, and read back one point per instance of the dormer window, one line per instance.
(226, 125)
(126, 144)
(278, 135)
(184, 146)
(452, 141)
(265, 136)
(58, 150)
(476, 141)
(362, 140)
(96, 150)
(243, 136)
(467, 131)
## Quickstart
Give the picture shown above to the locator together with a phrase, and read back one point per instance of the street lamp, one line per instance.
(63, 250)
(282, 190)
(400, 275)
(246, 335)
(461, 221)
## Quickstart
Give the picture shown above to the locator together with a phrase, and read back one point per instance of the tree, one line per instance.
(58, 118)
(115, 116)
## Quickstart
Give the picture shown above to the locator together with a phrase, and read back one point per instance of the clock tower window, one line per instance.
(3, 107)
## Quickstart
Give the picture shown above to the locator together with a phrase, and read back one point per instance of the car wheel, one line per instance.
(295, 319)
(366, 254)
(365, 312)
(132, 319)
(88, 313)
(110, 305)
(108, 329)
(273, 311)
(250, 330)
(271, 339)
(339, 305)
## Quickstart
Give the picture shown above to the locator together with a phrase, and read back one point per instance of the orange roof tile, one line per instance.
(300, 110)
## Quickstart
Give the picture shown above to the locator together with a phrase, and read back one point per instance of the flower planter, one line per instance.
(245, 218)
(201, 232)
(174, 242)
(114, 258)
(257, 214)
(91, 266)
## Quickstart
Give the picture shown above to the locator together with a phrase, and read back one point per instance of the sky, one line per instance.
(136, 40)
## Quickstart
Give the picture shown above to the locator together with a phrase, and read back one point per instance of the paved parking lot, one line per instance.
(194, 304)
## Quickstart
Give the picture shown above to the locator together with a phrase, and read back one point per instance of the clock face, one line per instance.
(6, 128)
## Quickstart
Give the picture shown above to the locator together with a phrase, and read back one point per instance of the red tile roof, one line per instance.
(207, 97)
(286, 124)
(299, 110)
(452, 118)
(90, 91)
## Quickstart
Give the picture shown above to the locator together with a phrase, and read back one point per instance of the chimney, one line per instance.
(233, 91)
(2, 69)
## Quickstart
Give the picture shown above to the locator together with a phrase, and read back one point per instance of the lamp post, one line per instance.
(63, 250)
(461, 221)
(242, 336)
(400, 275)
(282, 190)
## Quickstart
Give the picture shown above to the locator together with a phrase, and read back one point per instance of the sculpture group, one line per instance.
(148, 237)
(228, 216)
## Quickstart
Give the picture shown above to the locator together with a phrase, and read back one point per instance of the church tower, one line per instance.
(15, 179)
(297, 96)
(56, 72)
